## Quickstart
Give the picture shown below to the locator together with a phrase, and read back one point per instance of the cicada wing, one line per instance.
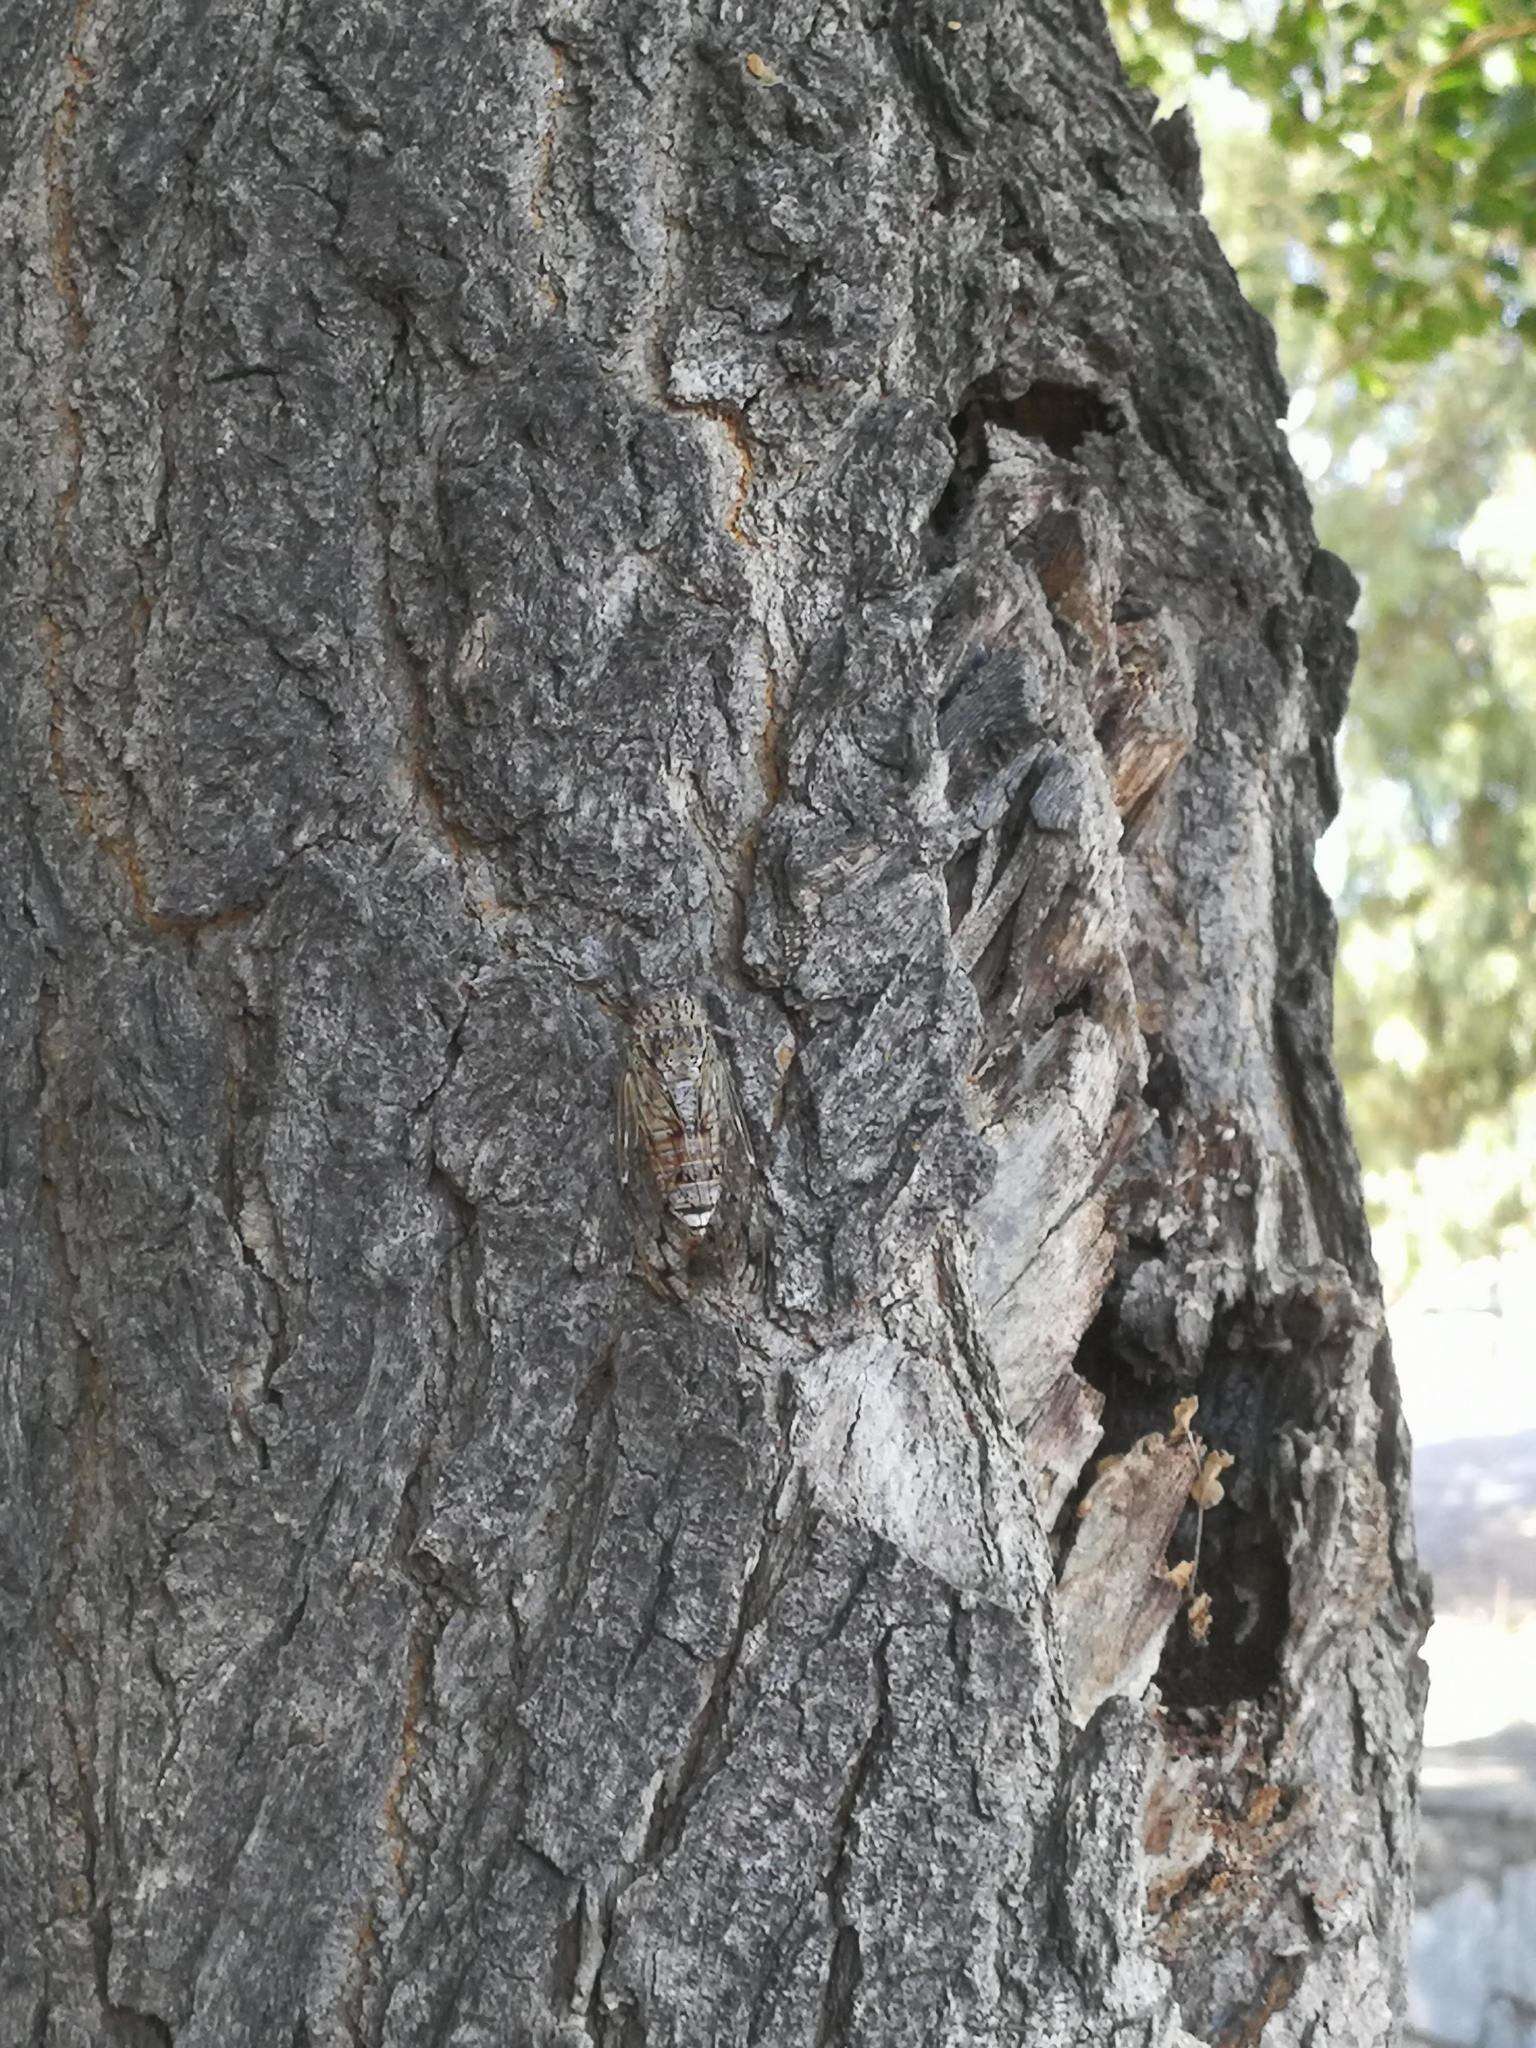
(631, 1151)
(637, 1178)
(737, 1231)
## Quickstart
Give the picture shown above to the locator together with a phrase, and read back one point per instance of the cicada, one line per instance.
(685, 1155)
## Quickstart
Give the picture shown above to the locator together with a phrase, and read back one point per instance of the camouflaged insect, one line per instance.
(685, 1158)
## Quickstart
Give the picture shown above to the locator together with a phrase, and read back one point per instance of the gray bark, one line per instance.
(506, 513)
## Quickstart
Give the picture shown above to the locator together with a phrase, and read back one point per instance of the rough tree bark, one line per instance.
(506, 512)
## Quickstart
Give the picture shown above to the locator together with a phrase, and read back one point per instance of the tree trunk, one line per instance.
(509, 517)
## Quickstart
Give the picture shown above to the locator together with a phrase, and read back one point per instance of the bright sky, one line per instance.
(1482, 1678)
(1465, 1345)
(1466, 1351)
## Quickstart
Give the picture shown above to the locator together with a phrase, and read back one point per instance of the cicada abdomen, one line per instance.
(685, 1160)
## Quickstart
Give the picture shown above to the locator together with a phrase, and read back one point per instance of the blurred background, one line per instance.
(1371, 172)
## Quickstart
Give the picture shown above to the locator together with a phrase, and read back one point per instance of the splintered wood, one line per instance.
(1116, 1597)
(1058, 1438)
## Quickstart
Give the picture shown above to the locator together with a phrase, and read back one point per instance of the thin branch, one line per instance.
(1412, 92)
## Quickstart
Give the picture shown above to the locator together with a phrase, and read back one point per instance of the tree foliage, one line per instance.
(1436, 999)
(1424, 119)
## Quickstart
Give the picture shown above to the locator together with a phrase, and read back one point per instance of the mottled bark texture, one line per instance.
(506, 512)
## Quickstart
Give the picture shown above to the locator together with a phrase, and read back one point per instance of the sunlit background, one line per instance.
(1371, 173)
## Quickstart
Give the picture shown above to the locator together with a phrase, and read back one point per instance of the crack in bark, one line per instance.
(845, 1962)
(544, 165)
(707, 1744)
(127, 2026)
(364, 2004)
(418, 737)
